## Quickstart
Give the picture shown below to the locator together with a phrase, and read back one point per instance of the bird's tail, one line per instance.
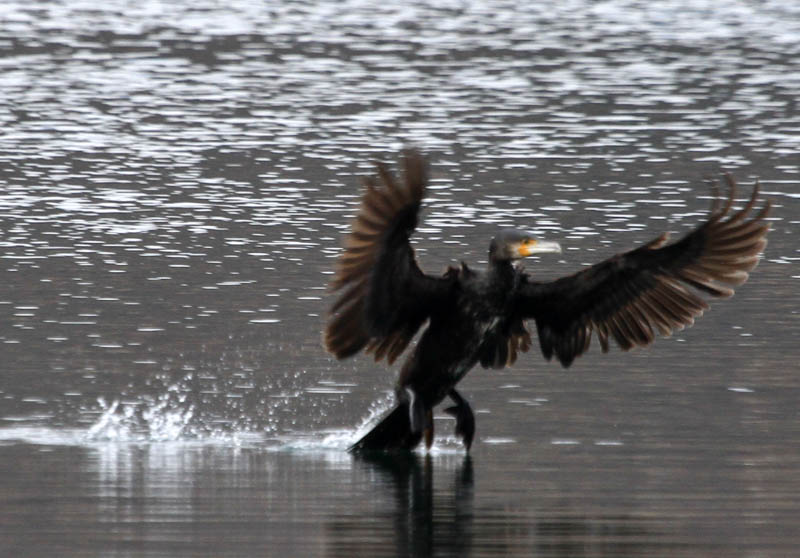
(392, 433)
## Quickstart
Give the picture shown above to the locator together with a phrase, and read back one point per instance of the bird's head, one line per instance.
(512, 244)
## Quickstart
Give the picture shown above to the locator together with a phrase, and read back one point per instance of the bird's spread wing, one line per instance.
(654, 288)
(385, 297)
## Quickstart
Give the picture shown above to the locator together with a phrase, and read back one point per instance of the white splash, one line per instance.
(156, 421)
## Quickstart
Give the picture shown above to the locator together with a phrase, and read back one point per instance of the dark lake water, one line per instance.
(175, 180)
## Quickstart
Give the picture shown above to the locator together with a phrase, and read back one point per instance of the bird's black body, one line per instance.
(472, 325)
(479, 317)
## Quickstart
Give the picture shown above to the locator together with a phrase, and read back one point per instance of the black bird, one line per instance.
(479, 317)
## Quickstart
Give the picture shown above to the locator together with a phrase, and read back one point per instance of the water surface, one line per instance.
(175, 182)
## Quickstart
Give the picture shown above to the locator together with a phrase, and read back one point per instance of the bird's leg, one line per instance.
(428, 429)
(465, 420)
(417, 415)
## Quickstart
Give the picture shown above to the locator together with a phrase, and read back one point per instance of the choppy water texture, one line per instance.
(176, 178)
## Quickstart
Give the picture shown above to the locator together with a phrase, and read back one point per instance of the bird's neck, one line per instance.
(501, 272)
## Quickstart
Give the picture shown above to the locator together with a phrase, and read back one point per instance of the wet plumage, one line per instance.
(480, 317)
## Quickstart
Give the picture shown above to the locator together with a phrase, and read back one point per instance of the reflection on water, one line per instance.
(432, 512)
(425, 516)
(175, 179)
(221, 499)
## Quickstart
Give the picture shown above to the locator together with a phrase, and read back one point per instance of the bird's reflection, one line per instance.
(422, 505)
(431, 506)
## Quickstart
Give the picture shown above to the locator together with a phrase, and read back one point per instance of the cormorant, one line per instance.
(479, 317)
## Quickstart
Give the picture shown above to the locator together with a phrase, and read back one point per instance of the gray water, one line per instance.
(176, 178)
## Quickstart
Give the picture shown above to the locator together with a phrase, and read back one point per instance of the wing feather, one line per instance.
(384, 295)
(652, 289)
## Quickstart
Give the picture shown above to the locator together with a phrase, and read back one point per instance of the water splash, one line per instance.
(153, 422)
(339, 440)
(170, 414)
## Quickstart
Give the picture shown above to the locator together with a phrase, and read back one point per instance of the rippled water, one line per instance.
(175, 179)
